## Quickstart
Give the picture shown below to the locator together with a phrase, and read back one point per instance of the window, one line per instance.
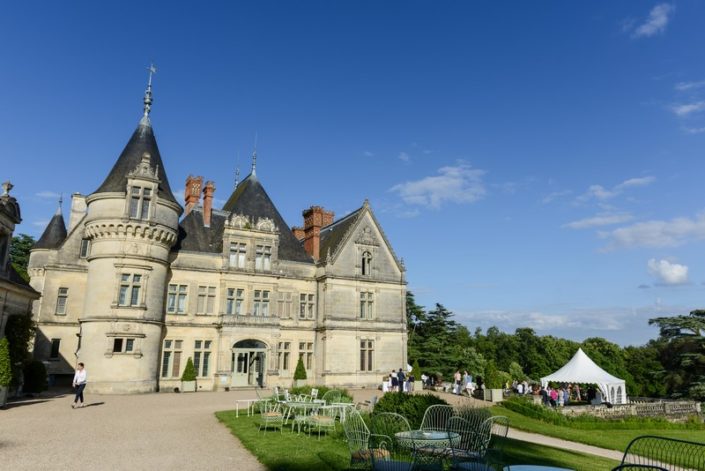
(130, 286)
(306, 306)
(140, 199)
(176, 299)
(121, 345)
(235, 301)
(171, 359)
(306, 354)
(54, 353)
(284, 305)
(85, 247)
(366, 305)
(201, 356)
(263, 258)
(62, 299)
(367, 351)
(261, 303)
(283, 356)
(206, 300)
(237, 255)
(366, 264)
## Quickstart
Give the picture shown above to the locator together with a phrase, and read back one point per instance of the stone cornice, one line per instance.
(131, 229)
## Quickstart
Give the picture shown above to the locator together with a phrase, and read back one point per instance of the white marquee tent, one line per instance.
(581, 369)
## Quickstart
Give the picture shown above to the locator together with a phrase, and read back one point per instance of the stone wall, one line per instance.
(675, 411)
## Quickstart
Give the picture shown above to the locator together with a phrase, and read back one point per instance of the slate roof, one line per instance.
(250, 199)
(333, 234)
(54, 234)
(194, 237)
(142, 141)
(9, 206)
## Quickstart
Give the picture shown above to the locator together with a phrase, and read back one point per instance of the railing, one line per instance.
(248, 319)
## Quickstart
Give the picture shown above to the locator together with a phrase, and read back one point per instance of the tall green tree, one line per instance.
(19, 253)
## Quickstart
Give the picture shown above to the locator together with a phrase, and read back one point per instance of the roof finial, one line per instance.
(61, 201)
(237, 170)
(148, 92)
(254, 158)
(6, 187)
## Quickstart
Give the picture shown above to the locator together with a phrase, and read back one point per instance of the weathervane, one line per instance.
(254, 157)
(148, 93)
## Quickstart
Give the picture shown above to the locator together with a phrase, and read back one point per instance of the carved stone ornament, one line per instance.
(367, 237)
(265, 224)
(144, 169)
(238, 221)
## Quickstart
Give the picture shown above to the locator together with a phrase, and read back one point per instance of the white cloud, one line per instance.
(48, 194)
(601, 193)
(41, 223)
(656, 233)
(454, 184)
(404, 157)
(657, 21)
(604, 219)
(688, 108)
(556, 194)
(669, 273)
(685, 86)
(694, 130)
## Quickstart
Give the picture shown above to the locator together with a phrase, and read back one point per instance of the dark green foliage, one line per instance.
(35, 377)
(345, 396)
(474, 415)
(189, 371)
(590, 422)
(19, 330)
(416, 371)
(411, 406)
(493, 380)
(19, 253)
(300, 372)
(5, 364)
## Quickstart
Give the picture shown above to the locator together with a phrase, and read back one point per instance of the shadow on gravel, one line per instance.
(24, 402)
(94, 404)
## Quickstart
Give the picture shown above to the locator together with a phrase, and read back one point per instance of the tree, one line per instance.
(19, 253)
(189, 371)
(683, 353)
(300, 372)
(5, 365)
(19, 331)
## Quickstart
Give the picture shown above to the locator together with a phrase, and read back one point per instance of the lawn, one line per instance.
(289, 451)
(616, 439)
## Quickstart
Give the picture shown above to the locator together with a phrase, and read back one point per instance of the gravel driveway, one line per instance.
(150, 431)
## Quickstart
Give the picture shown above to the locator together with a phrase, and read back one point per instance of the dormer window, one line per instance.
(140, 199)
(263, 258)
(237, 255)
(366, 265)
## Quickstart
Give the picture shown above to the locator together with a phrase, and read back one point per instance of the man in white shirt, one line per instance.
(79, 382)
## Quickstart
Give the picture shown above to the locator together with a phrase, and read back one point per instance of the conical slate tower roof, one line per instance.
(250, 199)
(142, 141)
(54, 234)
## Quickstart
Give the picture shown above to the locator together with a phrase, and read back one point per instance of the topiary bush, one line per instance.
(492, 378)
(189, 372)
(5, 363)
(411, 406)
(300, 372)
(416, 371)
(35, 377)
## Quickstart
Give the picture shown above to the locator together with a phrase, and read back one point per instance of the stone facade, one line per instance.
(134, 289)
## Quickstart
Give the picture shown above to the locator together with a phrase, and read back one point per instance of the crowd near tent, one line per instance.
(581, 369)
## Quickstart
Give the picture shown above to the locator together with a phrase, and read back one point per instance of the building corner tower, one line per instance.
(132, 223)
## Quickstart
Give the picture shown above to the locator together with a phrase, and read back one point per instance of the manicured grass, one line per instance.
(289, 451)
(617, 439)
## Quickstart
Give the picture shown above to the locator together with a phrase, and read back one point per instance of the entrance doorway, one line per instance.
(249, 363)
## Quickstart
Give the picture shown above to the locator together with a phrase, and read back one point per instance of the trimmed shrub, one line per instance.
(300, 372)
(411, 406)
(475, 415)
(35, 377)
(416, 371)
(493, 380)
(189, 372)
(345, 396)
(5, 364)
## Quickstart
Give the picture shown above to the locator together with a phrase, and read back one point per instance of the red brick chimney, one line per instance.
(208, 202)
(314, 219)
(192, 192)
(298, 232)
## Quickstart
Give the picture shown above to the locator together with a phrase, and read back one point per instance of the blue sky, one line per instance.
(534, 164)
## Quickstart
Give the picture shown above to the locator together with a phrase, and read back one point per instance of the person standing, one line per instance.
(79, 382)
(401, 378)
(458, 379)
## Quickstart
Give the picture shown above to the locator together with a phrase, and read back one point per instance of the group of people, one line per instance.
(565, 393)
(398, 381)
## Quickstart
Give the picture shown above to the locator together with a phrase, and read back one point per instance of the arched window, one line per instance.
(366, 264)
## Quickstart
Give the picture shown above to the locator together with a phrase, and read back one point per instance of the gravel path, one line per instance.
(150, 431)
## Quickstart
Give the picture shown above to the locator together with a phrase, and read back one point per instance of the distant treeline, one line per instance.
(673, 365)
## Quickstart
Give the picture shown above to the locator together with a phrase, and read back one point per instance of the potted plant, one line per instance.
(188, 378)
(493, 383)
(5, 371)
(300, 374)
(416, 373)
